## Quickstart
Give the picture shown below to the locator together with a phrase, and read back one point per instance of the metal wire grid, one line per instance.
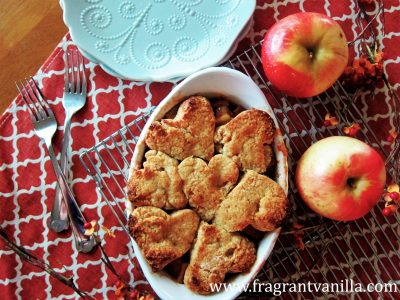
(330, 255)
(364, 250)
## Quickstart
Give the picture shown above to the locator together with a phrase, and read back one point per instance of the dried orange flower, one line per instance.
(330, 120)
(391, 197)
(119, 291)
(378, 57)
(108, 231)
(364, 71)
(352, 130)
(393, 193)
(91, 227)
(126, 292)
(393, 187)
(298, 236)
(392, 136)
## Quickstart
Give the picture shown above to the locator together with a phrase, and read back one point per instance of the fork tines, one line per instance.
(34, 99)
(75, 72)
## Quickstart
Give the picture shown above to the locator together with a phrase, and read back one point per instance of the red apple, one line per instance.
(341, 178)
(304, 54)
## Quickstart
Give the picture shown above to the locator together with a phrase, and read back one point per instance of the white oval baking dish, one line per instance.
(241, 90)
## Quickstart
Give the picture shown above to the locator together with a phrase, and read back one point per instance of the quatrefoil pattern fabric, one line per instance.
(27, 182)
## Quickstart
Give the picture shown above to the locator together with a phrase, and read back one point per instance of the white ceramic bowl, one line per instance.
(241, 90)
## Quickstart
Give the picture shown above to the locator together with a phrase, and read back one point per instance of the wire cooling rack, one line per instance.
(364, 251)
(360, 252)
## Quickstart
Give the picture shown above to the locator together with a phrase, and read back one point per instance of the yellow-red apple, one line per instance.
(304, 54)
(341, 178)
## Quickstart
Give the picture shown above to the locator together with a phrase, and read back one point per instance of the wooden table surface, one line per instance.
(29, 31)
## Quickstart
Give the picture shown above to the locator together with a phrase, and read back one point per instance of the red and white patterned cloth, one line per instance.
(27, 181)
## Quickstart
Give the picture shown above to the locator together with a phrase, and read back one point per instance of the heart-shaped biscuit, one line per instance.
(157, 184)
(215, 253)
(190, 133)
(162, 237)
(206, 185)
(246, 139)
(257, 201)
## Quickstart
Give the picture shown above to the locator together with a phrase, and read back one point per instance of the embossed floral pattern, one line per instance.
(101, 46)
(98, 16)
(155, 26)
(177, 22)
(157, 54)
(155, 39)
(127, 9)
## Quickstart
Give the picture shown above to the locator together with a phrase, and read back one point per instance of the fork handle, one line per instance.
(59, 217)
(77, 220)
(65, 144)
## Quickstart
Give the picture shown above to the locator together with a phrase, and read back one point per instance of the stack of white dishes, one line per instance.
(157, 40)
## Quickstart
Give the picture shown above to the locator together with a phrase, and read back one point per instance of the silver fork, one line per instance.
(45, 126)
(74, 99)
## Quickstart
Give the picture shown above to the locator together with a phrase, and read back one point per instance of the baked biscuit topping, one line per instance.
(206, 182)
(157, 184)
(215, 253)
(206, 185)
(190, 133)
(257, 201)
(162, 237)
(246, 139)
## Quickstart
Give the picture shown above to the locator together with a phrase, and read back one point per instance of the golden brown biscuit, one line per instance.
(246, 138)
(206, 185)
(257, 201)
(190, 133)
(157, 184)
(215, 253)
(162, 237)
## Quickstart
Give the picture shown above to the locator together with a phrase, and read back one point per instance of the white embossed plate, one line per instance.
(156, 40)
(231, 51)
